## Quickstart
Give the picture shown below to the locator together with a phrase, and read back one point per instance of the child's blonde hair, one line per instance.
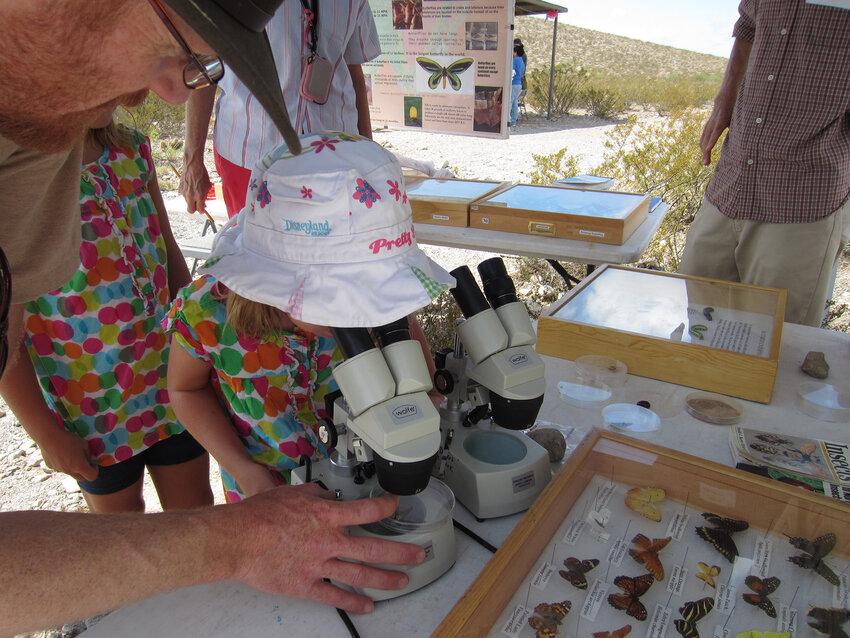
(255, 319)
(111, 135)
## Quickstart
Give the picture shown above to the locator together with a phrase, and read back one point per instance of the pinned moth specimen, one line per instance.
(815, 551)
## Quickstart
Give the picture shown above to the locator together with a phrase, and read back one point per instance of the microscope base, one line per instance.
(438, 540)
(495, 472)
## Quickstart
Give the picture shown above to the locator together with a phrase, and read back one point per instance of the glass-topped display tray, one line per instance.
(601, 216)
(445, 201)
(632, 535)
(712, 335)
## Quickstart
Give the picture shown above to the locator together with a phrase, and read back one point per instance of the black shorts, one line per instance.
(174, 450)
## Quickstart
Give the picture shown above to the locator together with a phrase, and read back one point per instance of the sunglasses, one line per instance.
(5, 300)
(202, 70)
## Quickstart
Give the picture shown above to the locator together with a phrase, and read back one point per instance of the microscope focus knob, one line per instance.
(444, 381)
(327, 434)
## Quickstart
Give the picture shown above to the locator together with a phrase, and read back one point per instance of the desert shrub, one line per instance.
(663, 159)
(663, 94)
(550, 168)
(603, 103)
(438, 320)
(568, 84)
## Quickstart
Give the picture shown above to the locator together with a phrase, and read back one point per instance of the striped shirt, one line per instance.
(347, 35)
(786, 158)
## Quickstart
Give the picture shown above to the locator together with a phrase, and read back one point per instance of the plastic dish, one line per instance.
(627, 417)
(595, 367)
(824, 401)
(716, 409)
(419, 512)
(584, 393)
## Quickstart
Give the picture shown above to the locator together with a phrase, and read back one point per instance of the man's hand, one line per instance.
(194, 184)
(719, 121)
(68, 453)
(289, 539)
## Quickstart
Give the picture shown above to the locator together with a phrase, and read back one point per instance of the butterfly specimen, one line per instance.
(449, 72)
(643, 501)
(629, 601)
(548, 618)
(815, 551)
(762, 589)
(720, 534)
(691, 613)
(576, 569)
(647, 554)
(707, 573)
(617, 633)
(828, 621)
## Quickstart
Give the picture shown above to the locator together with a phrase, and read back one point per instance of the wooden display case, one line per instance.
(445, 201)
(713, 335)
(605, 217)
(583, 514)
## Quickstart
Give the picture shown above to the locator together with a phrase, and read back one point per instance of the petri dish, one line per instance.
(420, 512)
(598, 367)
(630, 418)
(824, 401)
(716, 409)
(665, 405)
(584, 392)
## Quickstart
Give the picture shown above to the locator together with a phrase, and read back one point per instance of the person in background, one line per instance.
(97, 351)
(51, 94)
(524, 56)
(342, 35)
(518, 70)
(777, 210)
(259, 318)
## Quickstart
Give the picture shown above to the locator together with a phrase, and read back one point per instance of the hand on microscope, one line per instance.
(293, 537)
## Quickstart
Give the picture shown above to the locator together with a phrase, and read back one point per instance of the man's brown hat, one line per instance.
(236, 30)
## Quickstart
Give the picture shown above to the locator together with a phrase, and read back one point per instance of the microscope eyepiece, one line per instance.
(467, 294)
(498, 286)
(394, 332)
(352, 341)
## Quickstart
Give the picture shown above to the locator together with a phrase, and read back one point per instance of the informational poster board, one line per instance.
(445, 66)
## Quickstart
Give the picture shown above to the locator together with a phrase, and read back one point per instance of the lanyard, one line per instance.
(311, 28)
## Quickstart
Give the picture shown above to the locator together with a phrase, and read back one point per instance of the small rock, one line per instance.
(27, 445)
(815, 365)
(552, 440)
(42, 478)
(70, 485)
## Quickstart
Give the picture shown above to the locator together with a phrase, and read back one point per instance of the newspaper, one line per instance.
(821, 466)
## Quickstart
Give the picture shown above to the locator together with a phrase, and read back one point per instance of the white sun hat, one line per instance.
(327, 236)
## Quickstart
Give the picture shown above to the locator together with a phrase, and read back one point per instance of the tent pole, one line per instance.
(552, 69)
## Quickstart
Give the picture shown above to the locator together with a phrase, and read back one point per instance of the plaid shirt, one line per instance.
(786, 158)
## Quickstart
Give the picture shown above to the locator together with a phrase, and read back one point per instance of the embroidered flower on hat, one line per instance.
(264, 196)
(306, 193)
(394, 189)
(365, 194)
(325, 142)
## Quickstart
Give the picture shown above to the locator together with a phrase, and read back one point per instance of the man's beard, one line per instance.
(61, 132)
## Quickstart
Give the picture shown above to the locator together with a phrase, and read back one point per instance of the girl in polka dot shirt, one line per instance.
(92, 393)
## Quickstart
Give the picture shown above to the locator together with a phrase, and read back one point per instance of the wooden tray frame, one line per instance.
(697, 366)
(766, 504)
(560, 225)
(446, 211)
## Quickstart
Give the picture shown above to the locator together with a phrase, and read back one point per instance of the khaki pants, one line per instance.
(801, 258)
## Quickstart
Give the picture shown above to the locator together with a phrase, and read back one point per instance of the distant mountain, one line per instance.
(606, 54)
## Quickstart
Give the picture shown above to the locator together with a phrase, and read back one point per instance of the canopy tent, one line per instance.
(536, 7)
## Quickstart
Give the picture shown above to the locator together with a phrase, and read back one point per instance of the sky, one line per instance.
(704, 26)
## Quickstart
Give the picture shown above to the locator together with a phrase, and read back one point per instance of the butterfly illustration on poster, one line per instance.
(444, 74)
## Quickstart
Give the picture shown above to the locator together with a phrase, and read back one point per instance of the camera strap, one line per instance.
(311, 24)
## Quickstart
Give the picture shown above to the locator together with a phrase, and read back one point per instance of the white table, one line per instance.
(230, 609)
(582, 252)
